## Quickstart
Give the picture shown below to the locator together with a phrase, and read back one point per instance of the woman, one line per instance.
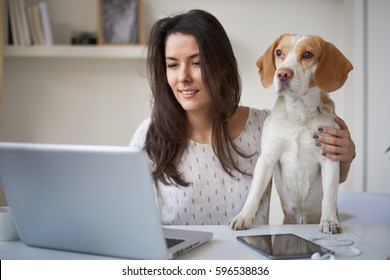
(203, 146)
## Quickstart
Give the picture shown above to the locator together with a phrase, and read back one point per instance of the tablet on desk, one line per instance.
(283, 246)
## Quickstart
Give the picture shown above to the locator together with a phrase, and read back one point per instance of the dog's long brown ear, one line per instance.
(332, 69)
(266, 64)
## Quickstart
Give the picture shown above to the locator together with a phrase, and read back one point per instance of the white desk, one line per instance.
(373, 241)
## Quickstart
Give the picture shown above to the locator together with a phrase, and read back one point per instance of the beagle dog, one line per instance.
(303, 69)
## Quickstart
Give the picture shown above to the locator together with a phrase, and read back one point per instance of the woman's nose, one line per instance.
(184, 75)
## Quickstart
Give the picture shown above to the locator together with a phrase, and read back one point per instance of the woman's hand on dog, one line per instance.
(336, 144)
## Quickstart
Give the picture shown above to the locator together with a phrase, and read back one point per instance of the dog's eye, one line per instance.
(278, 53)
(307, 55)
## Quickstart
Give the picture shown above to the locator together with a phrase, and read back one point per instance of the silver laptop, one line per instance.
(89, 199)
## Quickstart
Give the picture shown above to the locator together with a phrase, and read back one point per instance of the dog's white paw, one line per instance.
(241, 221)
(330, 227)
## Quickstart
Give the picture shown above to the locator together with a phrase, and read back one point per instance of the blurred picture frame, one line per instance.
(120, 22)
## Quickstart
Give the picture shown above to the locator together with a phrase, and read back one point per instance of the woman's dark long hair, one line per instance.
(167, 136)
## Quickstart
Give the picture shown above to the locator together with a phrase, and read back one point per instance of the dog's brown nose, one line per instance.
(284, 74)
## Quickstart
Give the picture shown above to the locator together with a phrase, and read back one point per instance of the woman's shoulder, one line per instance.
(258, 115)
(145, 123)
(254, 124)
(138, 139)
(256, 118)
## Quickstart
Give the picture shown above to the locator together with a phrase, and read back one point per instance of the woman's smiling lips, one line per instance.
(188, 92)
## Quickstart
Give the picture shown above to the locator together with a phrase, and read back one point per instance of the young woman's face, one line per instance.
(184, 73)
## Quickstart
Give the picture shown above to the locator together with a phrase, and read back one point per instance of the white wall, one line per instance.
(101, 101)
(77, 101)
(2, 198)
(377, 101)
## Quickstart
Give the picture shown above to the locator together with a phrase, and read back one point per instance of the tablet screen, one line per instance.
(282, 246)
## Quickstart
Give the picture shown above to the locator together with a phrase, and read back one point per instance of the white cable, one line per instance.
(341, 244)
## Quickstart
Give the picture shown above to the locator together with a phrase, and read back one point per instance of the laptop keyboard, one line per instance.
(173, 241)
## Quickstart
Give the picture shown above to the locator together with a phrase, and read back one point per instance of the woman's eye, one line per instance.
(196, 63)
(171, 65)
(307, 55)
(278, 53)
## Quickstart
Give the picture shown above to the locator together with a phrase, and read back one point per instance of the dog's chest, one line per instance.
(289, 133)
(298, 151)
(293, 127)
(294, 120)
(298, 165)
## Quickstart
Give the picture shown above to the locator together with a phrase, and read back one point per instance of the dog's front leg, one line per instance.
(330, 181)
(262, 175)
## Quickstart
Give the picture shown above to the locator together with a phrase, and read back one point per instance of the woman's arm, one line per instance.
(337, 144)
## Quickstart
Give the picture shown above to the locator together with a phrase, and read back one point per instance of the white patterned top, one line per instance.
(213, 197)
